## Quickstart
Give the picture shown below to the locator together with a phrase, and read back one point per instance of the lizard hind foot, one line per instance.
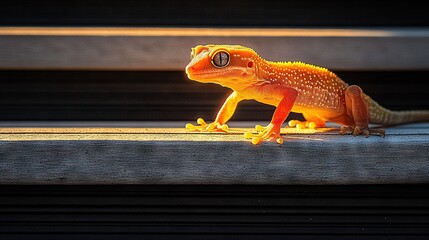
(263, 133)
(206, 127)
(362, 131)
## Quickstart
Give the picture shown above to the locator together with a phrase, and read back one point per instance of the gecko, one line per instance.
(315, 92)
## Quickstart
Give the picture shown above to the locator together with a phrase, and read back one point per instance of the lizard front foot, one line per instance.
(302, 125)
(206, 127)
(263, 133)
(362, 131)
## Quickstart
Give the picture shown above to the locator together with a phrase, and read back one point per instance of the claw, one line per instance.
(345, 129)
(380, 132)
(264, 133)
(357, 131)
(204, 127)
(362, 131)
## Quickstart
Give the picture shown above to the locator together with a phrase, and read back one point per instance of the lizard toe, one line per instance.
(268, 132)
(355, 131)
(206, 127)
(302, 124)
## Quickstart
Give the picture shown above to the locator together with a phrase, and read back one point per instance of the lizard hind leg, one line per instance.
(312, 121)
(358, 111)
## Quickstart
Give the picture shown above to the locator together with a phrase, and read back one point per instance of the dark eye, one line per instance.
(220, 59)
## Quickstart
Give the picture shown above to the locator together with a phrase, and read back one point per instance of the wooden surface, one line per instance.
(142, 154)
(107, 48)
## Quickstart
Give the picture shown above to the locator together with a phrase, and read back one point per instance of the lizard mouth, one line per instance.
(202, 76)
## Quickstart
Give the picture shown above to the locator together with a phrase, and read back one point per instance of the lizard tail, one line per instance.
(381, 115)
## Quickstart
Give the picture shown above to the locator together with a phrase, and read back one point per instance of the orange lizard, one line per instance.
(319, 94)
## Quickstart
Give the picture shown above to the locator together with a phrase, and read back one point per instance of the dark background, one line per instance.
(167, 95)
(235, 13)
(206, 211)
(118, 95)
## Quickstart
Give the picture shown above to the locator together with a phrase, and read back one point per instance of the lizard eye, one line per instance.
(220, 59)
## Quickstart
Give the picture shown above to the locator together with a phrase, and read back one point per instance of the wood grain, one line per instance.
(172, 156)
(168, 48)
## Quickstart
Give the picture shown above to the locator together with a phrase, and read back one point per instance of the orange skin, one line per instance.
(315, 92)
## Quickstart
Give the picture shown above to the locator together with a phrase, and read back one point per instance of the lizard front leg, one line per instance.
(224, 114)
(279, 116)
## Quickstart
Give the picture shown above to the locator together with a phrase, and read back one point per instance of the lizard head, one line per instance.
(231, 66)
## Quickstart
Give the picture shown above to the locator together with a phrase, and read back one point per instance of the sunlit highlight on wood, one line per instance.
(237, 32)
(143, 134)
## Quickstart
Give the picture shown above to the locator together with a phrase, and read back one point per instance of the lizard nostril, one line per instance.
(190, 70)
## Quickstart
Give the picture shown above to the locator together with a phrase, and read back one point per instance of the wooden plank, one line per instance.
(168, 48)
(173, 156)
